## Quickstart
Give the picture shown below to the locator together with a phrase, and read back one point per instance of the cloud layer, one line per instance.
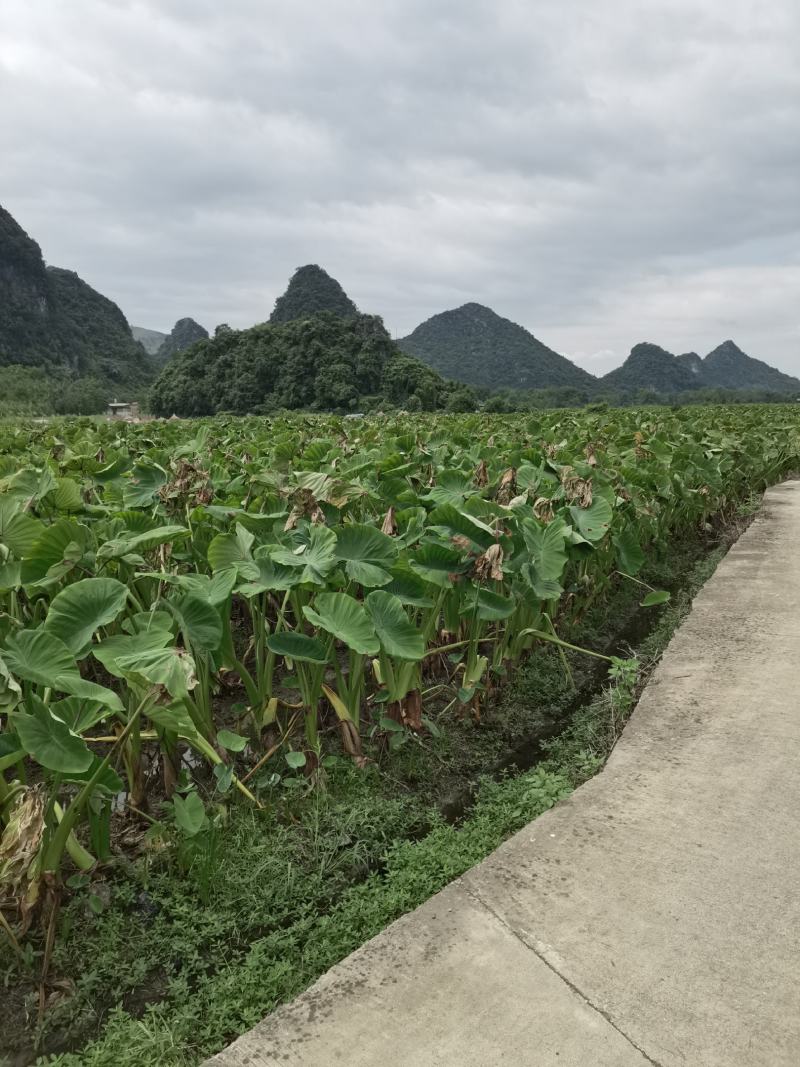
(602, 174)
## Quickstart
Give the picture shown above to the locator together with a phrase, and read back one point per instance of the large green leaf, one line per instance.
(146, 479)
(437, 564)
(451, 522)
(228, 549)
(108, 652)
(296, 646)
(42, 658)
(19, 531)
(78, 611)
(53, 547)
(546, 547)
(593, 522)
(343, 616)
(141, 542)
(10, 691)
(315, 552)
(49, 741)
(265, 575)
(366, 552)
(629, 552)
(409, 587)
(39, 657)
(198, 620)
(487, 605)
(398, 636)
(171, 667)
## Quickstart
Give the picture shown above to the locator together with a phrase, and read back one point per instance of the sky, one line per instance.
(602, 173)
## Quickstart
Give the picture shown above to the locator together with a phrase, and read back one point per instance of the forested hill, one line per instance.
(320, 362)
(50, 318)
(183, 335)
(473, 344)
(311, 290)
(650, 368)
(729, 367)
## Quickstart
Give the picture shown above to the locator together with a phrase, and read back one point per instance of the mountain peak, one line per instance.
(311, 290)
(183, 334)
(475, 345)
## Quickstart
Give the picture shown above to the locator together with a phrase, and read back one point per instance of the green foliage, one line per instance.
(311, 290)
(183, 335)
(51, 319)
(322, 362)
(652, 370)
(472, 344)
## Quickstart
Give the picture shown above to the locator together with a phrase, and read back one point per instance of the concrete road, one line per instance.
(652, 918)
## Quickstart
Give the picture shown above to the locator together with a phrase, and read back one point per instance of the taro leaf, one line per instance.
(80, 609)
(49, 741)
(543, 588)
(215, 589)
(141, 542)
(190, 815)
(267, 576)
(489, 606)
(436, 564)
(228, 549)
(109, 651)
(397, 634)
(170, 667)
(10, 691)
(43, 659)
(315, 552)
(451, 488)
(409, 587)
(145, 481)
(52, 548)
(174, 718)
(146, 621)
(593, 522)
(67, 495)
(231, 741)
(298, 647)
(452, 522)
(79, 714)
(10, 576)
(38, 657)
(198, 620)
(546, 546)
(366, 552)
(19, 531)
(343, 616)
(629, 553)
(658, 596)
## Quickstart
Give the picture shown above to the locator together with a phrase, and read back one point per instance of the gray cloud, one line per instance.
(602, 174)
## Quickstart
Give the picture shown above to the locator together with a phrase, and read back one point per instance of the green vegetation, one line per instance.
(49, 317)
(650, 369)
(310, 291)
(183, 335)
(472, 344)
(243, 661)
(320, 363)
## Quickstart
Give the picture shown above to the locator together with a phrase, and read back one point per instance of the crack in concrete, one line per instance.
(475, 895)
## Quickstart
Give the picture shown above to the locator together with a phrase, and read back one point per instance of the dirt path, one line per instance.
(652, 918)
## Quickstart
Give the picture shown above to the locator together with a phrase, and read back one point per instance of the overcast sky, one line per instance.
(603, 173)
